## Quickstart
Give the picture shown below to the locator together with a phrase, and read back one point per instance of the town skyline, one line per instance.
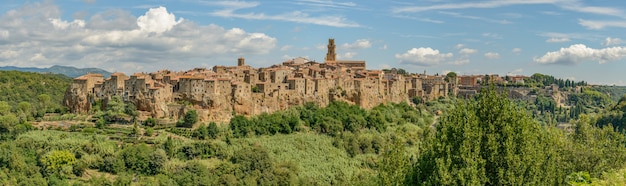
(570, 39)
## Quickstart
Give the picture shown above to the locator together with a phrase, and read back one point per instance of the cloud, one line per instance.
(571, 5)
(327, 4)
(579, 53)
(459, 62)
(384, 47)
(358, 44)
(612, 41)
(422, 57)
(286, 47)
(467, 51)
(347, 55)
(421, 19)
(157, 20)
(492, 35)
(515, 72)
(558, 40)
(231, 8)
(598, 25)
(35, 35)
(459, 15)
(115, 19)
(492, 55)
(459, 46)
(516, 50)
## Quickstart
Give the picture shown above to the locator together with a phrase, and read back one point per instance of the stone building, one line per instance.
(219, 92)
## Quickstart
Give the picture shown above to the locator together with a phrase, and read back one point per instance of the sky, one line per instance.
(570, 39)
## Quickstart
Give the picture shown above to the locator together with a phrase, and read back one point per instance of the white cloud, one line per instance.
(60, 24)
(492, 35)
(459, 15)
(327, 4)
(459, 46)
(157, 20)
(358, 44)
(347, 55)
(467, 51)
(558, 40)
(460, 61)
(423, 57)
(612, 41)
(231, 8)
(492, 55)
(384, 47)
(579, 53)
(35, 35)
(572, 5)
(515, 72)
(597, 25)
(516, 50)
(286, 47)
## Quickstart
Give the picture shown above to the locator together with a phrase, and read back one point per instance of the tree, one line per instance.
(56, 161)
(212, 130)
(25, 110)
(44, 101)
(451, 76)
(191, 117)
(489, 141)
(144, 159)
(393, 165)
(5, 108)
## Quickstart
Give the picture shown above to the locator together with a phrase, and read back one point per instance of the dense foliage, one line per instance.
(44, 92)
(490, 141)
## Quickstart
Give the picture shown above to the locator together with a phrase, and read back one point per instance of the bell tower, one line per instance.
(241, 61)
(331, 55)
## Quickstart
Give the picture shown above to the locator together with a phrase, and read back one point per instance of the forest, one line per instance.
(485, 140)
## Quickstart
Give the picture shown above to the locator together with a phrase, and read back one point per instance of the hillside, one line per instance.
(16, 87)
(58, 69)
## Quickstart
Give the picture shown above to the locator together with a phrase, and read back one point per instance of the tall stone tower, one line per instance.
(241, 61)
(331, 55)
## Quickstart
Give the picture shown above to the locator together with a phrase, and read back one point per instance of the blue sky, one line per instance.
(574, 39)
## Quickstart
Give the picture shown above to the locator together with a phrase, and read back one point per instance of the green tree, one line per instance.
(5, 108)
(190, 118)
(144, 159)
(44, 102)
(393, 165)
(56, 161)
(213, 130)
(25, 110)
(450, 77)
(489, 141)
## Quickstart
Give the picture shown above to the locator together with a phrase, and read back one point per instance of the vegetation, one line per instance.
(37, 93)
(485, 140)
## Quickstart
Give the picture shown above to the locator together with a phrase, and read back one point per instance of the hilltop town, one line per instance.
(223, 91)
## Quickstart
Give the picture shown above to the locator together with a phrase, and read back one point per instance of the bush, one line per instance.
(149, 131)
(212, 130)
(191, 117)
(144, 159)
(55, 161)
(150, 122)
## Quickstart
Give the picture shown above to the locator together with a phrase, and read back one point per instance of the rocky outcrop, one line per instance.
(76, 100)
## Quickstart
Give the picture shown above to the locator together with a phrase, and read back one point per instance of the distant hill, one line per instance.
(58, 69)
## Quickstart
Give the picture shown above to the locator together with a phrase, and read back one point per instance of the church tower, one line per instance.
(241, 61)
(331, 55)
